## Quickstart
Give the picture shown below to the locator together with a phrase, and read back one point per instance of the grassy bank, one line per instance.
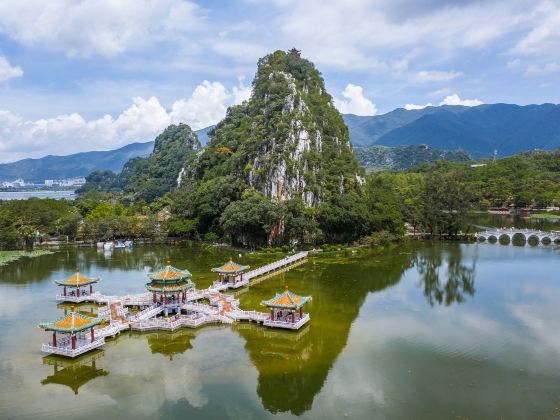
(7, 257)
(545, 216)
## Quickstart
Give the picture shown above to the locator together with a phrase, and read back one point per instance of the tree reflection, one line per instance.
(459, 278)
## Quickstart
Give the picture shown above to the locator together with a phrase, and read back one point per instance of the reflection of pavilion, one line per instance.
(73, 372)
(75, 288)
(170, 343)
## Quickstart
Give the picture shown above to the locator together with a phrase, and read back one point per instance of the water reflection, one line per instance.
(293, 367)
(458, 278)
(74, 373)
(170, 343)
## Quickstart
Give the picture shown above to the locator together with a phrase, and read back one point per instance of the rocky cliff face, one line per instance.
(288, 141)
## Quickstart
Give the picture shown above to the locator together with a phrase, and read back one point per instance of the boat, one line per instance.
(129, 244)
(119, 245)
(108, 246)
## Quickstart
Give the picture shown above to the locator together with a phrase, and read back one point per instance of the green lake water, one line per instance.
(426, 330)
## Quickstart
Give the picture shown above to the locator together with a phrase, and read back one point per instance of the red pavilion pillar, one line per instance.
(300, 312)
(92, 335)
(73, 341)
(64, 290)
(154, 298)
(78, 292)
(272, 314)
(293, 317)
(91, 289)
(54, 338)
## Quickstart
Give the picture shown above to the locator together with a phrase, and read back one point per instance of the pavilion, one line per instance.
(286, 310)
(169, 287)
(75, 288)
(78, 335)
(231, 274)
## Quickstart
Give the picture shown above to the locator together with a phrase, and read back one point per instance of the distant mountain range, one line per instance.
(479, 130)
(402, 158)
(79, 164)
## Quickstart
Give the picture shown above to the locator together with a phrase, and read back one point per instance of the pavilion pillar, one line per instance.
(54, 338)
(64, 290)
(272, 314)
(165, 299)
(92, 335)
(300, 312)
(73, 341)
(91, 289)
(78, 292)
(293, 317)
(154, 298)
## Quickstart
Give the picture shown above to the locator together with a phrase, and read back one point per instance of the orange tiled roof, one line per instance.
(72, 322)
(230, 267)
(169, 273)
(77, 280)
(169, 287)
(286, 300)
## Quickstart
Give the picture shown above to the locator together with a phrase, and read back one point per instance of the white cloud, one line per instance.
(7, 71)
(241, 92)
(456, 100)
(104, 27)
(142, 121)
(414, 106)
(543, 38)
(549, 68)
(206, 106)
(428, 76)
(356, 102)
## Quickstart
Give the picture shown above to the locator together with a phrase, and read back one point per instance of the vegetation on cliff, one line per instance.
(279, 169)
(146, 179)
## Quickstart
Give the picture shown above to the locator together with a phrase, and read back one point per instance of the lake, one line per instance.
(24, 195)
(426, 330)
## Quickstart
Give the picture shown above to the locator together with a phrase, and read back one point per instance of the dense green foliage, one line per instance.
(403, 158)
(149, 178)
(95, 216)
(435, 198)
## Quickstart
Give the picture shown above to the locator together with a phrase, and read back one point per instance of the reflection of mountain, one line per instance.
(73, 373)
(293, 368)
(459, 280)
(171, 343)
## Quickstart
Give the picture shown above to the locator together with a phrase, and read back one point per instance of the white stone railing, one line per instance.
(273, 266)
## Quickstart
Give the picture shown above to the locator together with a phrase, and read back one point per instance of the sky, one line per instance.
(79, 75)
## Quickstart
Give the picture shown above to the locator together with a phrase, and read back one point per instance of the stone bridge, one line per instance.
(526, 234)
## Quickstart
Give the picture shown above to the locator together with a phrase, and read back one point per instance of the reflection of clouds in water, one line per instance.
(470, 330)
(542, 326)
(144, 387)
(11, 301)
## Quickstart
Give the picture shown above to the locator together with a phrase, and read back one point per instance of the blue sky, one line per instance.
(98, 74)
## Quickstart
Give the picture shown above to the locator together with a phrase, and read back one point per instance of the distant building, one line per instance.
(49, 182)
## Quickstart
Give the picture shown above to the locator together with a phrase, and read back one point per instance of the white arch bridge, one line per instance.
(541, 236)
